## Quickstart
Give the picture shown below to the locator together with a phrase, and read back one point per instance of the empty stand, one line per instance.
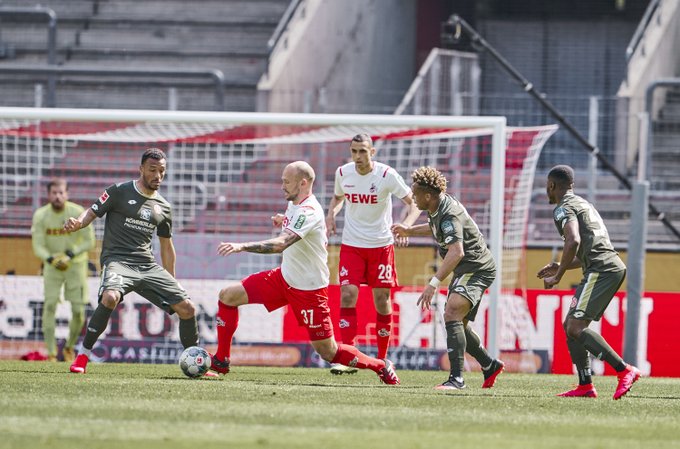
(229, 35)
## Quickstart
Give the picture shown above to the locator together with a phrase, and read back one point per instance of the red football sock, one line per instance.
(227, 322)
(348, 324)
(350, 356)
(383, 332)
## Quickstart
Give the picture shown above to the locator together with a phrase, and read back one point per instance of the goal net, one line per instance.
(223, 180)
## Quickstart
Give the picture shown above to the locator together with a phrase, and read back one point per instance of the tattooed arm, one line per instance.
(275, 245)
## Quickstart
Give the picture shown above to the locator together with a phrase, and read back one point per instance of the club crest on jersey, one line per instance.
(104, 196)
(373, 188)
(145, 213)
(158, 209)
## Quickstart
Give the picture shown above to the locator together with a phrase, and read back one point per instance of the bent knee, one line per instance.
(326, 349)
(233, 296)
(185, 309)
(110, 299)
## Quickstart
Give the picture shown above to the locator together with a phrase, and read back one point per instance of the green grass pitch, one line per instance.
(155, 406)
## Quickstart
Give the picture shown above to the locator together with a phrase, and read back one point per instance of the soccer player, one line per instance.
(301, 281)
(464, 252)
(367, 249)
(134, 211)
(586, 246)
(65, 264)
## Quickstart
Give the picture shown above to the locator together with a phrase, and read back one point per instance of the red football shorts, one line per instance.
(309, 306)
(371, 266)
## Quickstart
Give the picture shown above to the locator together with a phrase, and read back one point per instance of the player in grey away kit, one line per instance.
(134, 211)
(586, 246)
(464, 252)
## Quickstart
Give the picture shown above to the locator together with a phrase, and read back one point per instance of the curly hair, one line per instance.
(430, 178)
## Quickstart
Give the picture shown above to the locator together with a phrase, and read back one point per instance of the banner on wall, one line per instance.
(530, 329)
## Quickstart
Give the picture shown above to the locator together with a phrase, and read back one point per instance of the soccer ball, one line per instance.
(194, 361)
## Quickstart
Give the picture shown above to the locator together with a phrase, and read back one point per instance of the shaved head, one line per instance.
(297, 180)
(302, 170)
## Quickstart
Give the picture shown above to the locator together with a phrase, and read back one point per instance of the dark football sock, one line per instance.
(97, 325)
(597, 346)
(188, 332)
(580, 358)
(455, 343)
(475, 349)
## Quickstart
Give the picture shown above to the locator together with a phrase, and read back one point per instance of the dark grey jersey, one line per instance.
(131, 219)
(451, 223)
(595, 252)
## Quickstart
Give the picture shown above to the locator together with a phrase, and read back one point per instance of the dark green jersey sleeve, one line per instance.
(106, 201)
(595, 251)
(450, 224)
(164, 228)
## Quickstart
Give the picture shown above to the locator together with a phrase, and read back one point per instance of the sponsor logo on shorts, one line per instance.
(345, 282)
(344, 324)
(579, 314)
(460, 289)
(383, 332)
(132, 202)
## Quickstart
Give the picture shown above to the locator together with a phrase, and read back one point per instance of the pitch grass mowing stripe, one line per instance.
(155, 406)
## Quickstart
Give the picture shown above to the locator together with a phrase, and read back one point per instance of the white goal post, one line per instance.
(171, 126)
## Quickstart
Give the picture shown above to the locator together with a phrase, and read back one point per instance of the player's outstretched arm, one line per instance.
(271, 246)
(277, 220)
(411, 213)
(401, 230)
(83, 220)
(168, 254)
(333, 209)
(572, 240)
(453, 257)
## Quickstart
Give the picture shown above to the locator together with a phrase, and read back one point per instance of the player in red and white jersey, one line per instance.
(301, 281)
(367, 251)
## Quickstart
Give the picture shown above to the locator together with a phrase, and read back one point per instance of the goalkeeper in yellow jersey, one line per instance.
(65, 263)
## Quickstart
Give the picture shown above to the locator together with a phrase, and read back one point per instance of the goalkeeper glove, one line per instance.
(60, 261)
